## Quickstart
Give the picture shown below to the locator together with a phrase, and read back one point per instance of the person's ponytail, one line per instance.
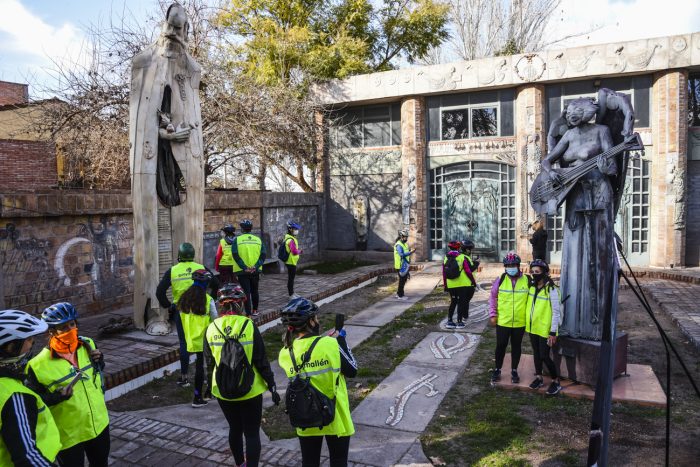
(288, 337)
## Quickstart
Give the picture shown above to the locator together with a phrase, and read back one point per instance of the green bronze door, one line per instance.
(474, 200)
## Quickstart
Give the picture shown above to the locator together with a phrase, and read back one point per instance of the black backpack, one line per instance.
(234, 374)
(282, 253)
(306, 406)
(452, 268)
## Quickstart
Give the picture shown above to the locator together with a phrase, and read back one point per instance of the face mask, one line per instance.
(512, 271)
(538, 277)
(295, 232)
(66, 342)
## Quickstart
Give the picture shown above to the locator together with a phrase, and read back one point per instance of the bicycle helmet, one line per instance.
(467, 244)
(511, 258)
(231, 295)
(454, 245)
(18, 325)
(291, 225)
(403, 233)
(541, 263)
(201, 277)
(59, 313)
(298, 312)
(185, 252)
(246, 224)
(229, 229)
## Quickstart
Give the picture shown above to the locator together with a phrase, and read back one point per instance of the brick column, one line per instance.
(322, 167)
(530, 144)
(668, 169)
(413, 167)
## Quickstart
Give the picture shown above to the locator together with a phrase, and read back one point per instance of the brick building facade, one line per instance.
(451, 150)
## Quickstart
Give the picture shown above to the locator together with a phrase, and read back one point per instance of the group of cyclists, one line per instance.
(53, 408)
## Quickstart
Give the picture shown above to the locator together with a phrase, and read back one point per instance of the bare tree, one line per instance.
(246, 127)
(484, 28)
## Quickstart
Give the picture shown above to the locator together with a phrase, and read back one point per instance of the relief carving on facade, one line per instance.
(360, 214)
(677, 184)
(467, 147)
(362, 162)
(494, 74)
(530, 67)
(447, 82)
(408, 197)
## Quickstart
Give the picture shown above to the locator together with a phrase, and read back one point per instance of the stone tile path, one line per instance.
(681, 301)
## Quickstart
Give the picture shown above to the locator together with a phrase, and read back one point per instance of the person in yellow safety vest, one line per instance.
(507, 305)
(223, 262)
(542, 323)
(179, 277)
(249, 255)
(402, 261)
(294, 250)
(28, 433)
(330, 362)
(243, 414)
(460, 288)
(68, 376)
(197, 309)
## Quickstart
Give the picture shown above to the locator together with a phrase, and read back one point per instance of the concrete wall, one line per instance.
(77, 245)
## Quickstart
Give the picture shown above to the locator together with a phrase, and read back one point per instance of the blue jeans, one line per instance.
(184, 354)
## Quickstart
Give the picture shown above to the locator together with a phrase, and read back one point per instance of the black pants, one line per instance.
(541, 353)
(184, 354)
(226, 275)
(96, 450)
(249, 283)
(291, 273)
(402, 283)
(515, 336)
(199, 374)
(539, 253)
(459, 299)
(338, 448)
(244, 418)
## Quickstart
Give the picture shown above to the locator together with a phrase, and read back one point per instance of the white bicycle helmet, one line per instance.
(18, 325)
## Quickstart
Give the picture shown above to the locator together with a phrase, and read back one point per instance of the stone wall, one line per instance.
(77, 245)
(365, 194)
(27, 165)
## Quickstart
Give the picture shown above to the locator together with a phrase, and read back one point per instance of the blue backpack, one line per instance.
(282, 253)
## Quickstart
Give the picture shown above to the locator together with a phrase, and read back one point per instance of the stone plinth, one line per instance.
(578, 359)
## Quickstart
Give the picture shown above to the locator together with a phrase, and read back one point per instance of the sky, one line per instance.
(36, 33)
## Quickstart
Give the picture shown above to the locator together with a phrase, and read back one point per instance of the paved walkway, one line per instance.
(681, 301)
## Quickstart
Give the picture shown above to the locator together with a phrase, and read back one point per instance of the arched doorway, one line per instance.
(473, 200)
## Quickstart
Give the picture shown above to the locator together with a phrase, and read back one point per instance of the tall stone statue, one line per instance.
(167, 168)
(593, 162)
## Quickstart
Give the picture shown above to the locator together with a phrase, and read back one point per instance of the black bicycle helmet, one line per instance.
(246, 224)
(185, 252)
(541, 263)
(467, 244)
(229, 229)
(298, 312)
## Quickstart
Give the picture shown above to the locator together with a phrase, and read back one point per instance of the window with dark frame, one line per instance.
(371, 126)
(694, 100)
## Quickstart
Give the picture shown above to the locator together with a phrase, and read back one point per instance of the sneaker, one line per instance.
(553, 389)
(255, 314)
(450, 325)
(198, 402)
(495, 375)
(401, 298)
(207, 395)
(183, 382)
(514, 378)
(460, 324)
(537, 383)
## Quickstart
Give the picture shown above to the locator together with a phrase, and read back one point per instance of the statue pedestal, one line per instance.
(578, 359)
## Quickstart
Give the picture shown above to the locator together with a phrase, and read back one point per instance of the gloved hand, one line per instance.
(275, 396)
(342, 333)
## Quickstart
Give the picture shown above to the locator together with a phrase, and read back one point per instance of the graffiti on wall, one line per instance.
(58, 261)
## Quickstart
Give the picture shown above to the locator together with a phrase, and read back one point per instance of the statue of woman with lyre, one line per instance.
(590, 179)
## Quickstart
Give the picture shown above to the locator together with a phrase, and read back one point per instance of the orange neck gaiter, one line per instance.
(66, 342)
